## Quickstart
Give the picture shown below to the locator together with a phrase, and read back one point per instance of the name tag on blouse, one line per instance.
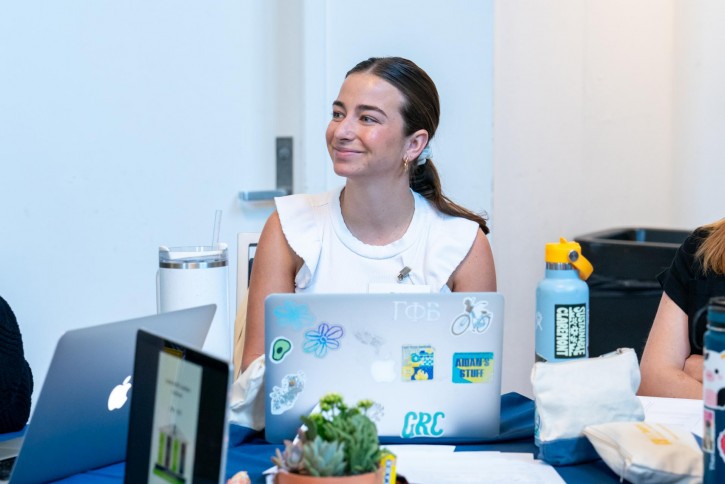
(391, 287)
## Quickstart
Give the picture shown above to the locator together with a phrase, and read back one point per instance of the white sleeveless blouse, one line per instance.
(337, 262)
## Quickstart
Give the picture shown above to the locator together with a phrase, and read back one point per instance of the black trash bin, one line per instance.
(623, 290)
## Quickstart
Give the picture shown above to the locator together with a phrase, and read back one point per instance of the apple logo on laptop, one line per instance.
(119, 394)
(383, 370)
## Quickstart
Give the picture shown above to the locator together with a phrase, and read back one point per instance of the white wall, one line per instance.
(607, 114)
(124, 126)
(699, 119)
(582, 139)
(452, 41)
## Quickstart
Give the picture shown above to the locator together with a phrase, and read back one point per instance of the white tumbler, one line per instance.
(194, 276)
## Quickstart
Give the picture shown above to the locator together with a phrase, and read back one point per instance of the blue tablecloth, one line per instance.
(250, 452)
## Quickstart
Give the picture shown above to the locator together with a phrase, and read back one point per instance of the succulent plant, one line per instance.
(338, 441)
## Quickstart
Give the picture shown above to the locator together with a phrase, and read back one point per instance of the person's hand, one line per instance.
(693, 367)
(240, 477)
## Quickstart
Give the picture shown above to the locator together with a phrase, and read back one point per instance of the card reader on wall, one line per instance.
(284, 175)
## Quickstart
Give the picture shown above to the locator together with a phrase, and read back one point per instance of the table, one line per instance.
(249, 451)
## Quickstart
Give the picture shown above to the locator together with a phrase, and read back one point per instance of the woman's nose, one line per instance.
(343, 129)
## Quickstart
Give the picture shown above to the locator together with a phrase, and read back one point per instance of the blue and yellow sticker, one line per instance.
(417, 363)
(472, 367)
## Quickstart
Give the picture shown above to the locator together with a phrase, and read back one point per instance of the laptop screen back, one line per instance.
(178, 422)
(80, 420)
(432, 362)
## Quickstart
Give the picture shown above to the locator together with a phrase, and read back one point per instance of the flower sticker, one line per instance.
(295, 315)
(326, 336)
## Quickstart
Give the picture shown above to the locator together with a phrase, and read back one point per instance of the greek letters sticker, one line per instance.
(570, 336)
(472, 367)
(423, 424)
(475, 317)
(284, 396)
(325, 337)
(279, 349)
(417, 364)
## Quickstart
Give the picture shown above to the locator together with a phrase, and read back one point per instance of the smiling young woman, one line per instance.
(391, 215)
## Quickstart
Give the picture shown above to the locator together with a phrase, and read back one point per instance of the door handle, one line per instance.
(284, 174)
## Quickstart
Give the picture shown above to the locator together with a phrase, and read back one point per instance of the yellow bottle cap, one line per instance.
(566, 252)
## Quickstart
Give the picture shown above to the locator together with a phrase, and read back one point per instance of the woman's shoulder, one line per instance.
(304, 200)
(440, 219)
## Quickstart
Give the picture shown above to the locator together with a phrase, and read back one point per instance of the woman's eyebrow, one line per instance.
(360, 107)
(367, 107)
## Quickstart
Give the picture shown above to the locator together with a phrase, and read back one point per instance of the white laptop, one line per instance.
(179, 414)
(430, 362)
(80, 420)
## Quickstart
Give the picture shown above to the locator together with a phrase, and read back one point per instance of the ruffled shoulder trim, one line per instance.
(302, 219)
(451, 238)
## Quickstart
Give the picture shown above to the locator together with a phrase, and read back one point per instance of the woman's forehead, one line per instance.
(368, 89)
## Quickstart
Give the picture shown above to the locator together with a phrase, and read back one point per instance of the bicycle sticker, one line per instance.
(283, 397)
(472, 367)
(417, 364)
(475, 317)
(279, 349)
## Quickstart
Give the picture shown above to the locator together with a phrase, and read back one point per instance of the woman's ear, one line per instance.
(416, 143)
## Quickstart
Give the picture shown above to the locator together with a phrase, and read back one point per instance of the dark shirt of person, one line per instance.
(16, 378)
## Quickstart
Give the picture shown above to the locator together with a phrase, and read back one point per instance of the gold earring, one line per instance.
(406, 161)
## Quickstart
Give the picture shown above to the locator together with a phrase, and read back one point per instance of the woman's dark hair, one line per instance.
(420, 110)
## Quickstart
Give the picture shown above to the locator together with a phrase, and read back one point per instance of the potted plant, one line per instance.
(337, 444)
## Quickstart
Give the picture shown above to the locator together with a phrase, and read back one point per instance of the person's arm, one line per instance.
(667, 368)
(273, 271)
(476, 273)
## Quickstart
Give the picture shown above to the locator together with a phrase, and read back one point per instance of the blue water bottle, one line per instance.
(713, 387)
(562, 304)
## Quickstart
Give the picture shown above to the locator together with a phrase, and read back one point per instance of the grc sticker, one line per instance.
(423, 424)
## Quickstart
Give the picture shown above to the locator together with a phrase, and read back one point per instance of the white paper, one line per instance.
(425, 464)
(680, 412)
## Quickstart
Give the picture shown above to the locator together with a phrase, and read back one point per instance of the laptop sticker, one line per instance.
(423, 424)
(283, 397)
(417, 363)
(369, 339)
(475, 317)
(472, 367)
(279, 349)
(297, 316)
(325, 337)
(708, 436)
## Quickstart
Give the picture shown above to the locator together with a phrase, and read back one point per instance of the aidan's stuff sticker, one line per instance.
(472, 367)
(417, 364)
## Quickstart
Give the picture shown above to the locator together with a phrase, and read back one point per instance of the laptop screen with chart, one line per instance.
(430, 362)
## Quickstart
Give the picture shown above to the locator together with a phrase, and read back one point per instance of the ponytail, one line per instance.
(424, 179)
